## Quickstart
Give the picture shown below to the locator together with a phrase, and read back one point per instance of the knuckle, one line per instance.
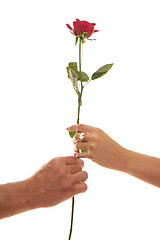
(98, 130)
(80, 126)
(60, 171)
(53, 162)
(77, 145)
(92, 146)
(65, 181)
(82, 188)
(75, 160)
(74, 189)
(95, 137)
(77, 168)
(90, 154)
(77, 137)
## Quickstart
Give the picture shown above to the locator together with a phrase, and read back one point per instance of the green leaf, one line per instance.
(73, 65)
(72, 134)
(101, 71)
(76, 41)
(83, 150)
(73, 75)
(84, 77)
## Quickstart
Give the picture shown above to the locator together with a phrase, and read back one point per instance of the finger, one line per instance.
(81, 127)
(80, 187)
(82, 154)
(81, 146)
(80, 177)
(81, 163)
(76, 137)
(73, 160)
(75, 169)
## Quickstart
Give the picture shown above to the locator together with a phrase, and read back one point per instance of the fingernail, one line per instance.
(75, 154)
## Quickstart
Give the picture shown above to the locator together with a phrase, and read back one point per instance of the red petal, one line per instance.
(86, 23)
(77, 27)
(85, 26)
(69, 27)
(89, 24)
(81, 26)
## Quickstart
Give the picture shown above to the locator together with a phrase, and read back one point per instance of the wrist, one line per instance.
(26, 196)
(125, 160)
(31, 197)
(132, 161)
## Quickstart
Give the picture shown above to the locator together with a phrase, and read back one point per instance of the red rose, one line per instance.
(82, 26)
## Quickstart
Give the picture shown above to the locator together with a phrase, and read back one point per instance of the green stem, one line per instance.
(71, 219)
(80, 64)
(80, 70)
(79, 103)
(78, 117)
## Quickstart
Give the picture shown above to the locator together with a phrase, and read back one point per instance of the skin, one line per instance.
(103, 150)
(56, 181)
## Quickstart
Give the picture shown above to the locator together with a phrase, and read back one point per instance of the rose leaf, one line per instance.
(72, 134)
(102, 71)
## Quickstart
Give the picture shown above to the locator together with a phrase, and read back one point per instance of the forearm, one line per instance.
(144, 167)
(15, 198)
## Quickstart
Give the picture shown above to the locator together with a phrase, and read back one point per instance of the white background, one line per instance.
(37, 103)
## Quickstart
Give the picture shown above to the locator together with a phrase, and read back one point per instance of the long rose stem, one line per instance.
(78, 117)
(71, 219)
(80, 64)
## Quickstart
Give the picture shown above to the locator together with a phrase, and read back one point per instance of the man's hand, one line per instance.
(57, 181)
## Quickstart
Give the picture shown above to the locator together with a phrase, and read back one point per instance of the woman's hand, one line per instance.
(101, 148)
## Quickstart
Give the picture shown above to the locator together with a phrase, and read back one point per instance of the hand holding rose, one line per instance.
(104, 151)
(56, 181)
(101, 148)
